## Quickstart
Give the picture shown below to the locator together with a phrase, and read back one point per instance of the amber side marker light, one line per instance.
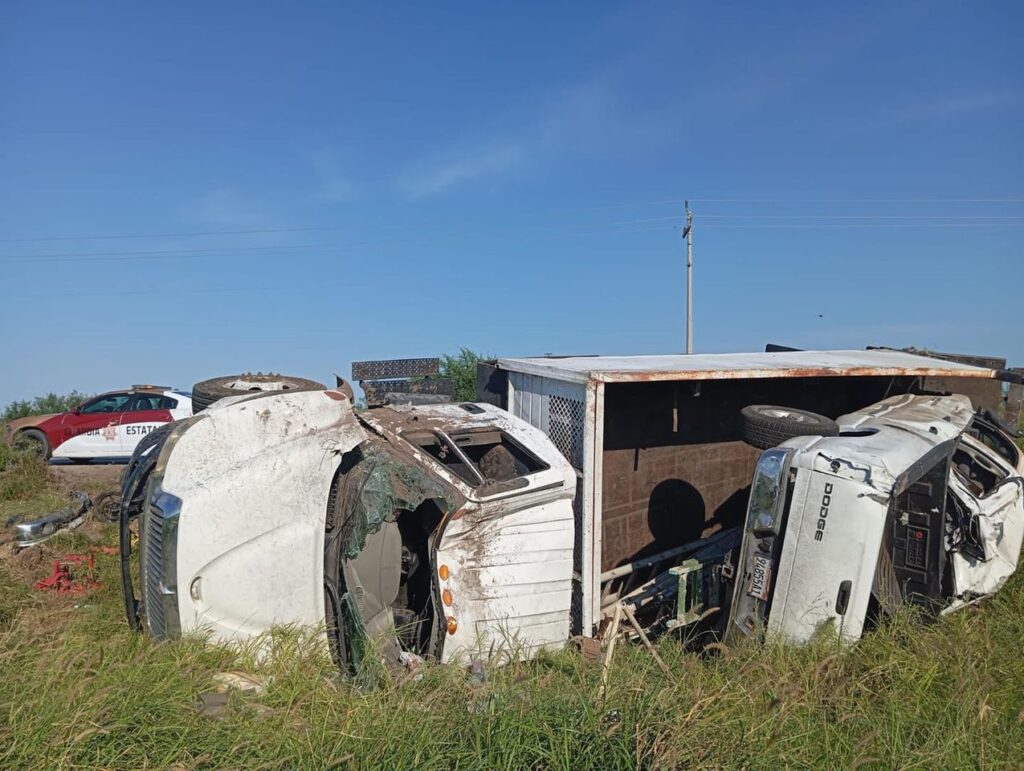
(446, 597)
(443, 572)
(453, 625)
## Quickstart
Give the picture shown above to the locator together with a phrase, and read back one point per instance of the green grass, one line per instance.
(79, 690)
(24, 478)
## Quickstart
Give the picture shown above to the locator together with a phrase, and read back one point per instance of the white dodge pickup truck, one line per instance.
(916, 500)
(441, 530)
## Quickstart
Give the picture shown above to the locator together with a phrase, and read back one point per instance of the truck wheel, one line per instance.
(33, 440)
(766, 426)
(209, 391)
(107, 507)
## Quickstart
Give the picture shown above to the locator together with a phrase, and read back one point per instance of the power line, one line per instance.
(866, 226)
(825, 222)
(679, 201)
(157, 253)
(90, 293)
(864, 216)
(173, 235)
(663, 202)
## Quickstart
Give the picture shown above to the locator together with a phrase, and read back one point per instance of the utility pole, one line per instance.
(688, 235)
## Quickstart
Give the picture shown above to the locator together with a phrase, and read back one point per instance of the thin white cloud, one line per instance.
(226, 207)
(474, 164)
(335, 185)
(946, 106)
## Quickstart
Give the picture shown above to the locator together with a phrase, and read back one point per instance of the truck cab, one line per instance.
(437, 530)
(916, 500)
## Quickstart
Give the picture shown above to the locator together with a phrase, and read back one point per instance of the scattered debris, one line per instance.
(72, 574)
(230, 686)
(107, 506)
(243, 682)
(212, 704)
(477, 673)
(611, 721)
(412, 664)
(590, 648)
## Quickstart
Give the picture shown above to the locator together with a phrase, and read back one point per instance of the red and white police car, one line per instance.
(106, 426)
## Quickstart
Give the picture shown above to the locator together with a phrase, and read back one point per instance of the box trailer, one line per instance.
(656, 441)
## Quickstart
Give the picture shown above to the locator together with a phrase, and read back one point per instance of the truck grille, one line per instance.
(152, 596)
(160, 565)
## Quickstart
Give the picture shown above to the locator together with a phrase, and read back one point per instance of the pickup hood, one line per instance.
(253, 478)
(882, 446)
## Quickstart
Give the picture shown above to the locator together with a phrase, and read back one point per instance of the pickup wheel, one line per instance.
(766, 426)
(107, 507)
(209, 391)
(33, 440)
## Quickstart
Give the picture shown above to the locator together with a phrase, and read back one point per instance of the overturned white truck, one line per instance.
(460, 530)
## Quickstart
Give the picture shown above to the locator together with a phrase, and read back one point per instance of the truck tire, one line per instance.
(107, 507)
(766, 426)
(209, 391)
(34, 440)
(156, 436)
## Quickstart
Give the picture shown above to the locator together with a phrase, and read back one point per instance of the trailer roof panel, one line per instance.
(723, 366)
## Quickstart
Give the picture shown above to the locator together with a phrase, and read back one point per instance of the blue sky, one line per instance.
(196, 189)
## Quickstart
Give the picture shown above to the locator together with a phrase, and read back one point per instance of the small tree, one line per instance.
(42, 405)
(461, 370)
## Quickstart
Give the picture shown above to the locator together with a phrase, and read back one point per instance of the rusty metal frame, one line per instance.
(389, 369)
(747, 366)
(593, 460)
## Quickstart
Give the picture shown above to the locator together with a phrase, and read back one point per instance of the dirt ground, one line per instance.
(90, 479)
(93, 479)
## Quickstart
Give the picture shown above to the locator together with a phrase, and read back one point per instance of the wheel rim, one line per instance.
(244, 385)
(796, 417)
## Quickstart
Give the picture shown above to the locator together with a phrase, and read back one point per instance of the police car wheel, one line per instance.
(33, 440)
(766, 426)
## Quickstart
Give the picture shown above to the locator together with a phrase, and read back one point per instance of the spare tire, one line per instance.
(766, 426)
(209, 391)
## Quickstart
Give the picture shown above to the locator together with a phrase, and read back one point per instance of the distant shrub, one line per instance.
(461, 370)
(42, 405)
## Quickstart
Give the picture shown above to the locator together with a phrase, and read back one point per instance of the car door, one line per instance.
(93, 429)
(144, 413)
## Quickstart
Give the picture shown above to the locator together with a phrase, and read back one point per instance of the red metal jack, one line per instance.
(72, 574)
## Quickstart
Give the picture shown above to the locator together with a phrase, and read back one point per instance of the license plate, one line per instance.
(761, 577)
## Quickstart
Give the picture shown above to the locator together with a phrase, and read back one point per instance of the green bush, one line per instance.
(42, 405)
(461, 370)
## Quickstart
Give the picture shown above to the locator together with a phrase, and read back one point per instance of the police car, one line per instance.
(105, 426)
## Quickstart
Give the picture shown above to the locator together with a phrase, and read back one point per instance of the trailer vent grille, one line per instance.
(565, 427)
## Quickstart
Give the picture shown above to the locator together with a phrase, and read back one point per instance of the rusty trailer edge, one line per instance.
(732, 366)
